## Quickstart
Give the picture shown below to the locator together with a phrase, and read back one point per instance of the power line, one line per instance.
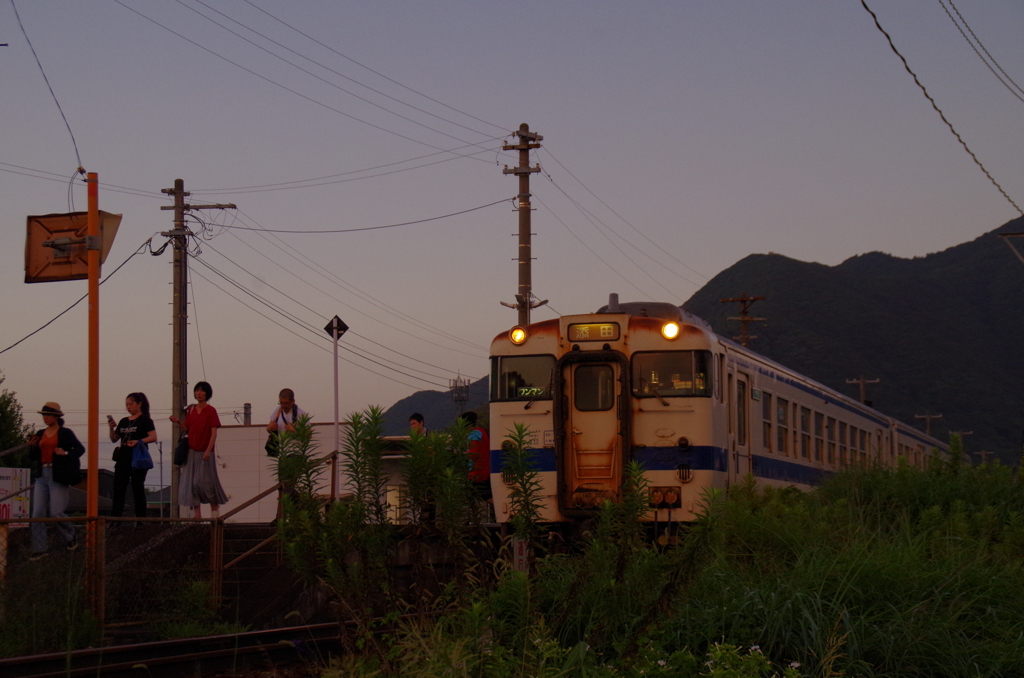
(375, 228)
(304, 326)
(275, 83)
(622, 218)
(329, 275)
(983, 59)
(47, 80)
(105, 279)
(938, 110)
(341, 75)
(377, 73)
(350, 332)
(287, 185)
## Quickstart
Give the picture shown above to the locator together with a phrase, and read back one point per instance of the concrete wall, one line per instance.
(245, 470)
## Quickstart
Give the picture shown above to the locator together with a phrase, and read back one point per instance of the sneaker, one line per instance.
(73, 544)
(38, 556)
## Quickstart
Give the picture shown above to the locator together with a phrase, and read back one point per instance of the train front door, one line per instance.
(593, 417)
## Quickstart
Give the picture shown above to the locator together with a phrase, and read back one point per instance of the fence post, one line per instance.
(216, 562)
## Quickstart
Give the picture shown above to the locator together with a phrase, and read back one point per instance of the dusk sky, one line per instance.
(679, 137)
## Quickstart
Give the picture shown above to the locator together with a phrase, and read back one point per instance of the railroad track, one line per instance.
(185, 656)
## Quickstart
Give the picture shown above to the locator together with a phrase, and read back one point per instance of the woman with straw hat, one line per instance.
(54, 453)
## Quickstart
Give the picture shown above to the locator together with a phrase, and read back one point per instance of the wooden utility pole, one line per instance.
(524, 296)
(863, 387)
(928, 421)
(179, 236)
(744, 317)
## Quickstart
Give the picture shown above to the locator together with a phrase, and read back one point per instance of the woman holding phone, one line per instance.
(136, 427)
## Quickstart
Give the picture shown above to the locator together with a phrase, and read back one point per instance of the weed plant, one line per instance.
(881, 572)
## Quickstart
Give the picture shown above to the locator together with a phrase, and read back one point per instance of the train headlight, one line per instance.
(517, 335)
(670, 330)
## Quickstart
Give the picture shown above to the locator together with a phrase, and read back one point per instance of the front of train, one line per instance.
(631, 382)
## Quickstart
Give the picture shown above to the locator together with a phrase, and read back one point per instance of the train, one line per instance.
(651, 382)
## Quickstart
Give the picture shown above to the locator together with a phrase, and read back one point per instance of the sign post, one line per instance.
(335, 329)
(72, 247)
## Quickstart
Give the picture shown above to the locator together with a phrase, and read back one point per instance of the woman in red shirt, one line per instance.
(198, 483)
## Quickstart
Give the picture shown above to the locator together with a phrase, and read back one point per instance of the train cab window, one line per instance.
(782, 422)
(526, 377)
(672, 373)
(594, 388)
(766, 414)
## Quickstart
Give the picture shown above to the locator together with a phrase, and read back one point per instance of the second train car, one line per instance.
(649, 381)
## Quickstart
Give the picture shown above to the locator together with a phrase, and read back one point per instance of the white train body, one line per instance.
(697, 410)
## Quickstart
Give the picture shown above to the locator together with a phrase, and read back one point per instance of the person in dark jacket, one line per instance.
(54, 454)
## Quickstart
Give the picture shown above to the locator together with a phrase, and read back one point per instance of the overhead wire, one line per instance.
(82, 298)
(327, 68)
(296, 302)
(939, 110)
(643, 235)
(277, 84)
(1015, 92)
(377, 73)
(307, 183)
(48, 86)
(195, 314)
(376, 228)
(306, 326)
(329, 275)
(301, 336)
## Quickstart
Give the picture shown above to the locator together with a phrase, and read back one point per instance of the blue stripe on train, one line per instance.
(698, 458)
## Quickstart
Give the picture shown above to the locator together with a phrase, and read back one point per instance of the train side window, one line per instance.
(782, 413)
(805, 432)
(830, 437)
(594, 388)
(842, 443)
(525, 377)
(766, 414)
(741, 412)
(819, 443)
(863, 445)
(719, 377)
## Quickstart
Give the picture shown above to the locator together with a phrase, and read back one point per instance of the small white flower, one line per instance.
(755, 648)
(794, 665)
(661, 662)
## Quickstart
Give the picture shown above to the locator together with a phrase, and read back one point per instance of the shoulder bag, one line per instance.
(140, 456)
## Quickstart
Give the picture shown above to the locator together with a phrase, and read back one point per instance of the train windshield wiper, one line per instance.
(544, 391)
(644, 382)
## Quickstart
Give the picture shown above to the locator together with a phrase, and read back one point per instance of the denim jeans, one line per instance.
(49, 500)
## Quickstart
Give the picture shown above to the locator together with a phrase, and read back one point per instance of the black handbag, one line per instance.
(181, 451)
(273, 447)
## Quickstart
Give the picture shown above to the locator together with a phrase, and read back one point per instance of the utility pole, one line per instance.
(864, 387)
(744, 317)
(179, 313)
(524, 297)
(963, 443)
(928, 421)
(984, 456)
(459, 387)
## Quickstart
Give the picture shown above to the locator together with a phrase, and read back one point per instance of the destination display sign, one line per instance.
(594, 332)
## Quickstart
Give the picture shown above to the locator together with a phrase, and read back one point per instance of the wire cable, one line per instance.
(195, 314)
(341, 75)
(105, 279)
(277, 84)
(377, 73)
(984, 60)
(376, 228)
(330, 276)
(38, 63)
(938, 110)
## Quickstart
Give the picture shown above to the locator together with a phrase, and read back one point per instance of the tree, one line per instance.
(13, 429)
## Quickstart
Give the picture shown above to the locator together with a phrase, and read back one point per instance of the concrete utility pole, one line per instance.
(864, 387)
(179, 313)
(524, 296)
(745, 318)
(928, 421)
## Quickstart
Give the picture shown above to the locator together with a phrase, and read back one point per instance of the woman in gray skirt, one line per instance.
(198, 483)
